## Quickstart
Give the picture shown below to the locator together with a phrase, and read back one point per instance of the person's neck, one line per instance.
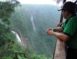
(69, 16)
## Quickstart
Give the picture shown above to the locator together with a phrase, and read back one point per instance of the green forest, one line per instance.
(29, 21)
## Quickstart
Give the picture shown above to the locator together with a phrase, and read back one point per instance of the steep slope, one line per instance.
(33, 21)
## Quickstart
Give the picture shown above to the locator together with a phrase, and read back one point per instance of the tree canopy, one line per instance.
(6, 9)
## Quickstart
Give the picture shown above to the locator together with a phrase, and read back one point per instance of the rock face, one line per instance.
(23, 40)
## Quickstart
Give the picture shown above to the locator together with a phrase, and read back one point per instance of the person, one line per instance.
(68, 31)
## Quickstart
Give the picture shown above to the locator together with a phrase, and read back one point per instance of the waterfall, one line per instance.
(20, 39)
(33, 23)
(17, 36)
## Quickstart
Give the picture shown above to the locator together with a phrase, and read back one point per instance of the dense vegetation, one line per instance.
(8, 44)
(31, 21)
(44, 17)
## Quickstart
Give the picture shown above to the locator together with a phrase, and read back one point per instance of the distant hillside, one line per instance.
(33, 21)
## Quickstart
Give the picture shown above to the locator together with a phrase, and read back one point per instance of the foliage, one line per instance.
(6, 9)
(7, 57)
(10, 48)
(6, 37)
(34, 56)
(21, 57)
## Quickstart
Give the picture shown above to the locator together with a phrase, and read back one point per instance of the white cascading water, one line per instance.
(17, 36)
(33, 23)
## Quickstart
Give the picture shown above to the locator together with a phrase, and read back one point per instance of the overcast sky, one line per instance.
(37, 2)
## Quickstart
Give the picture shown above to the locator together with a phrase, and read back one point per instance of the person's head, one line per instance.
(68, 9)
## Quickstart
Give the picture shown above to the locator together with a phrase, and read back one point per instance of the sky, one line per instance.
(40, 2)
(37, 2)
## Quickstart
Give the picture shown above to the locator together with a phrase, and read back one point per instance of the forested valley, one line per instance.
(31, 22)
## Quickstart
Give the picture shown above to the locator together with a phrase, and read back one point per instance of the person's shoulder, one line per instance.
(74, 17)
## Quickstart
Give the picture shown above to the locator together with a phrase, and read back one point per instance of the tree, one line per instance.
(6, 9)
